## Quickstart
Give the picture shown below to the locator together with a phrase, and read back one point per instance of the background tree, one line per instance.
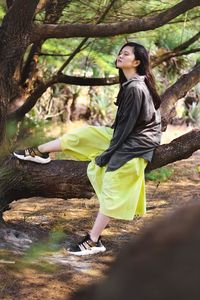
(34, 33)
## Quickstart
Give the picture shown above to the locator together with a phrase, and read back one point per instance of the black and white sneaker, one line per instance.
(87, 247)
(33, 154)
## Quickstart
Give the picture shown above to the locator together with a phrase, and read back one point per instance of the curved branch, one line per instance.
(180, 148)
(30, 102)
(169, 98)
(177, 91)
(89, 30)
(187, 43)
(186, 52)
(60, 78)
(168, 55)
(178, 51)
(177, 21)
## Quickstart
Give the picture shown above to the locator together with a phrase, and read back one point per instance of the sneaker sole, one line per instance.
(94, 250)
(35, 159)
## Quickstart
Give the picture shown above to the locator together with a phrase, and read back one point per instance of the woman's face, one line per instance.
(126, 59)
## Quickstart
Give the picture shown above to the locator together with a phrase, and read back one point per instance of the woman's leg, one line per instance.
(39, 154)
(99, 225)
(52, 146)
(91, 243)
(81, 144)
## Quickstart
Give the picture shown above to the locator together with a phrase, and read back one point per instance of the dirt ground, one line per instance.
(33, 262)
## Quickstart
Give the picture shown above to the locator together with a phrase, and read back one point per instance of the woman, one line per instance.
(118, 155)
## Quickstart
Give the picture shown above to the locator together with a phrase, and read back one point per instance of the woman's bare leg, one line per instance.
(52, 146)
(99, 225)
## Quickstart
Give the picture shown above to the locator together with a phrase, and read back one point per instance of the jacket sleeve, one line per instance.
(132, 104)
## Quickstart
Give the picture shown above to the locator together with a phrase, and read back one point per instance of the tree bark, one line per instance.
(14, 38)
(19, 179)
(179, 50)
(89, 30)
(177, 91)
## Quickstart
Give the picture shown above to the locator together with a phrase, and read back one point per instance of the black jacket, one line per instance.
(137, 126)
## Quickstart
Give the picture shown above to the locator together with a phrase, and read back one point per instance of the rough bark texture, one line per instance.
(179, 148)
(58, 179)
(177, 91)
(67, 179)
(89, 30)
(14, 38)
(178, 51)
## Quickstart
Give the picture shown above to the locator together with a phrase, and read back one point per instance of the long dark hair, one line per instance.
(143, 68)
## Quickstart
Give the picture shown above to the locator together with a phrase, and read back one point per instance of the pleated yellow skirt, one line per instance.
(121, 193)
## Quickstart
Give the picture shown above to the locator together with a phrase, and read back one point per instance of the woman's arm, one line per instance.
(132, 103)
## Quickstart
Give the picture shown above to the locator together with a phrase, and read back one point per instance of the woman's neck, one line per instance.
(129, 74)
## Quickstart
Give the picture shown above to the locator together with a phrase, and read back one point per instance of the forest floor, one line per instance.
(33, 262)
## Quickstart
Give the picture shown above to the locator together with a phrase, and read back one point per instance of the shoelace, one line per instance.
(31, 152)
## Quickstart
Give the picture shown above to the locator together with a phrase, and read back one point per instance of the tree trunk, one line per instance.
(14, 39)
(67, 179)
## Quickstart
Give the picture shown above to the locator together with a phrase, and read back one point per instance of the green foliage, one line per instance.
(160, 175)
(192, 115)
(38, 251)
(11, 129)
(102, 105)
(2, 10)
(31, 131)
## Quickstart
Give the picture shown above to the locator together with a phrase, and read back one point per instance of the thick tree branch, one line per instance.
(90, 30)
(20, 179)
(180, 148)
(52, 54)
(168, 55)
(31, 62)
(84, 81)
(169, 98)
(30, 102)
(54, 10)
(60, 78)
(178, 51)
(186, 52)
(187, 43)
(177, 91)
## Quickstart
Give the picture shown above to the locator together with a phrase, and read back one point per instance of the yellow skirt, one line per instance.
(121, 193)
